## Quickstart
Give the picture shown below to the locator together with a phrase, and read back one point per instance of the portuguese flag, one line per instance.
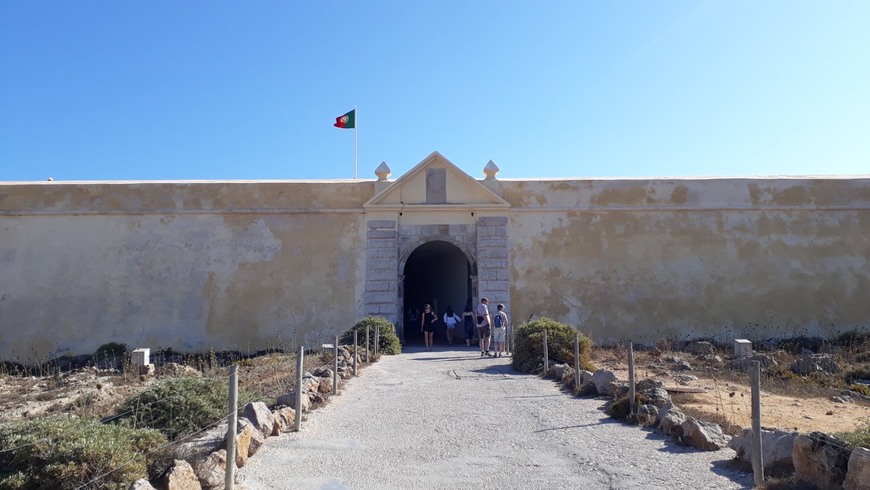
(346, 121)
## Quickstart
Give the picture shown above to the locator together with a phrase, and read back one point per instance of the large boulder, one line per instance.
(699, 348)
(260, 416)
(568, 376)
(647, 384)
(289, 400)
(285, 420)
(310, 383)
(820, 459)
(200, 446)
(815, 363)
(658, 397)
(556, 371)
(257, 439)
(705, 436)
(671, 421)
(858, 474)
(211, 471)
(180, 476)
(141, 484)
(647, 415)
(244, 435)
(604, 380)
(776, 447)
(585, 377)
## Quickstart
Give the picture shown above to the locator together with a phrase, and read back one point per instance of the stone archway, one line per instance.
(438, 273)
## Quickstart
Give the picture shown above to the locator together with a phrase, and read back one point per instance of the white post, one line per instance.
(354, 351)
(367, 344)
(377, 338)
(232, 405)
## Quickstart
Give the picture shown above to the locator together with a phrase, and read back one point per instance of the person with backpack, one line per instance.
(483, 326)
(450, 321)
(499, 330)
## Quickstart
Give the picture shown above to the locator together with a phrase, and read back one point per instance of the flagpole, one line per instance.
(355, 126)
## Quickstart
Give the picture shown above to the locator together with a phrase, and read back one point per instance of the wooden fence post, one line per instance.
(546, 356)
(757, 459)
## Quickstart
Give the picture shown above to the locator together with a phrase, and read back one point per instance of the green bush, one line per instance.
(63, 452)
(860, 437)
(529, 351)
(178, 406)
(388, 341)
(858, 374)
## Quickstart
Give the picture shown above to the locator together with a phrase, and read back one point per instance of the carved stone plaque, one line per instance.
(436, 186)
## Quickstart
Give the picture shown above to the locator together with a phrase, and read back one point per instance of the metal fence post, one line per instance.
(757, 459)
(299, 359)
(354, 351)
(335, 370)
(577, 361)
(546, 356)
(631, 396)
(367, 344)
(232, 405)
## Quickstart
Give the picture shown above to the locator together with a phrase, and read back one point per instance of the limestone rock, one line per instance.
(285, 419)
(705, 436)
(744, 363)
(260, 416)
(322, 372)
(648, 383)
(585, 377)
(200, 446)
(820, 459)
(699, 348)
(776, 446)
(658, 397)
(603, 379)
(172, 369)
(647, 415)
(815, 363)
(180, 476)
(257, 439)
(141, 484)
(671, 421)
(310, 383)
(858, 474)
(556, 370)
(289, 400)
(211, 471)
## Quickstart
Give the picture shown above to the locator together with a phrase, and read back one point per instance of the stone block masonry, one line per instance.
(493, 267)
(381, 277)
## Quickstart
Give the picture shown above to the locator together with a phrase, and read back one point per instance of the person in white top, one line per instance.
(450, 321)
(499, 330)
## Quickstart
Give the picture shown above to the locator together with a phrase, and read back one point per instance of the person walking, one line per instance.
(468, 318)
(499, 330)
(450, 321)
(427, 325)
(483, 323)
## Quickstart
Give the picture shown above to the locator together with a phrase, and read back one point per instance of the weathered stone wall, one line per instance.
(191, 266)
(641, 260)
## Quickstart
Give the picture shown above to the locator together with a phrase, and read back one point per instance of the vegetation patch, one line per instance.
(66, 452)
(860, 437)
(529, 349)
(388, 341)
(178, 406)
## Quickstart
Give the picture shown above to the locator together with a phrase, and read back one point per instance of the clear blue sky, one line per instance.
(163, 90)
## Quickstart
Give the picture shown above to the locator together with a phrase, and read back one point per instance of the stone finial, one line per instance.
(490, 170)
(383, 172)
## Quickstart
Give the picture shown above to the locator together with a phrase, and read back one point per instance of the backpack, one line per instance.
(498, 321)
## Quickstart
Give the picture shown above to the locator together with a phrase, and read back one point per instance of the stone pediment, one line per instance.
(436, 181)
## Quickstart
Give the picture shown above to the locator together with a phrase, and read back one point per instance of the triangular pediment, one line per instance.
(436, 181)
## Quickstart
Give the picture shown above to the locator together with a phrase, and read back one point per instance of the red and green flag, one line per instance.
(346, 121)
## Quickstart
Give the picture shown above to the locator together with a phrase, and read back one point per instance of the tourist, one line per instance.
(450, 321)
(499, 330)
(483, 323)
(427, 325)
(468, 318)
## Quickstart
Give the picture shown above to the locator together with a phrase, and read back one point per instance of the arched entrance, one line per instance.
(438, 273)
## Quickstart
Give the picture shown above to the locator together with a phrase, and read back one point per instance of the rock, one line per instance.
(684, 379)
(699, 348)
(603, 380)
(173, 370)
(585, 377)
(285, 420)
(257, 438)
(683, 366)
(705, 436)
(289, 400)
(141, 484)
(325, 385)
(647, 415)
(180, 476)
(671, 421)
(345, 372)
(672, 358)
(260, 416)
(858, 474)
(815, 363)
(556, 370)
(200, 446)
(842, 399)
(744, 363)
(658, 397)
(243, 442)
(820, 459)
(568, 376)
(647, 384)
(776, 446)
(310, 383)
(710, 359)
(211, 471)
(322, 372)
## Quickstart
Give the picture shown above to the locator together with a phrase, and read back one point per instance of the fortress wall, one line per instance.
(642, 260)
(191, 266)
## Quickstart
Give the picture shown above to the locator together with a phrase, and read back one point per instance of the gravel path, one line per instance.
(452, 419)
